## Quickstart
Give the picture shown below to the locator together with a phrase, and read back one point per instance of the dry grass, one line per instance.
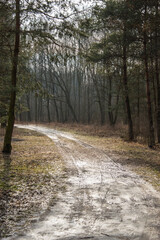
(29, 180)
(137, 156)
(91, 130)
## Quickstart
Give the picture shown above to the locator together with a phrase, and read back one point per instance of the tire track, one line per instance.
(102, 201)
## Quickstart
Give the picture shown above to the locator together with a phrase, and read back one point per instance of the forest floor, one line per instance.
(29, 180)
(102, 194)
(113, 141)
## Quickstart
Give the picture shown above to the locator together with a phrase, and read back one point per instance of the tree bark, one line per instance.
(125, 83)
(157, 72)
(100, 101)
(110, 111)
(138, 106)
(36, 107)
(28, 105)
(7, 147)
(151, 141)
(88, 105)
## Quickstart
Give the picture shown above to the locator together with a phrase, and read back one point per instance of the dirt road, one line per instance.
(103, 200)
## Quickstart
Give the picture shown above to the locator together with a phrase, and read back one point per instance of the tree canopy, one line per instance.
(82, 61)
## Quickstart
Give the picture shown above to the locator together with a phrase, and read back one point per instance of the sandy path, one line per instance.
(103, 200)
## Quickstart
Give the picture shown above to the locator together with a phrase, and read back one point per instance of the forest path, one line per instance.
(102, 200)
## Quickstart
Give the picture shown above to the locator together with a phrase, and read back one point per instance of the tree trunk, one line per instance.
(116, 111)
(100, 101)
(36, 108)
(61, 113)
(138, 106)
(56, 109)
(88, 105)
(48, 91)
(125, 83)
(68, 101)
(28, 105)
(11, 114)
(157, 72)
(48, 110)
(151, 142)
(110, 111)
(154, 87)
(40, 114)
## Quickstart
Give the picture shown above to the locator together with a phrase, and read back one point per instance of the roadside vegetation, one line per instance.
(34, 173)
(135, 155)
(81, 61)
(29, 180)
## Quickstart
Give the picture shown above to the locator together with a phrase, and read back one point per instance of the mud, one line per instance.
(102, 201)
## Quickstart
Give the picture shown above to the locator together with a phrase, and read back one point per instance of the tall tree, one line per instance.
(19, 8)
(150, 117)
(113, 18)
(157, 50)
(5, 63)
(11, 115)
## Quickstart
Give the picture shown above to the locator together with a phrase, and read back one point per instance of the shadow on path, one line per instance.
(5, 188)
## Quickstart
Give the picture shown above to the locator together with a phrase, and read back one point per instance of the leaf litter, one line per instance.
(113, 141)
(120, 209)
(103, 200)
(29, 181)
